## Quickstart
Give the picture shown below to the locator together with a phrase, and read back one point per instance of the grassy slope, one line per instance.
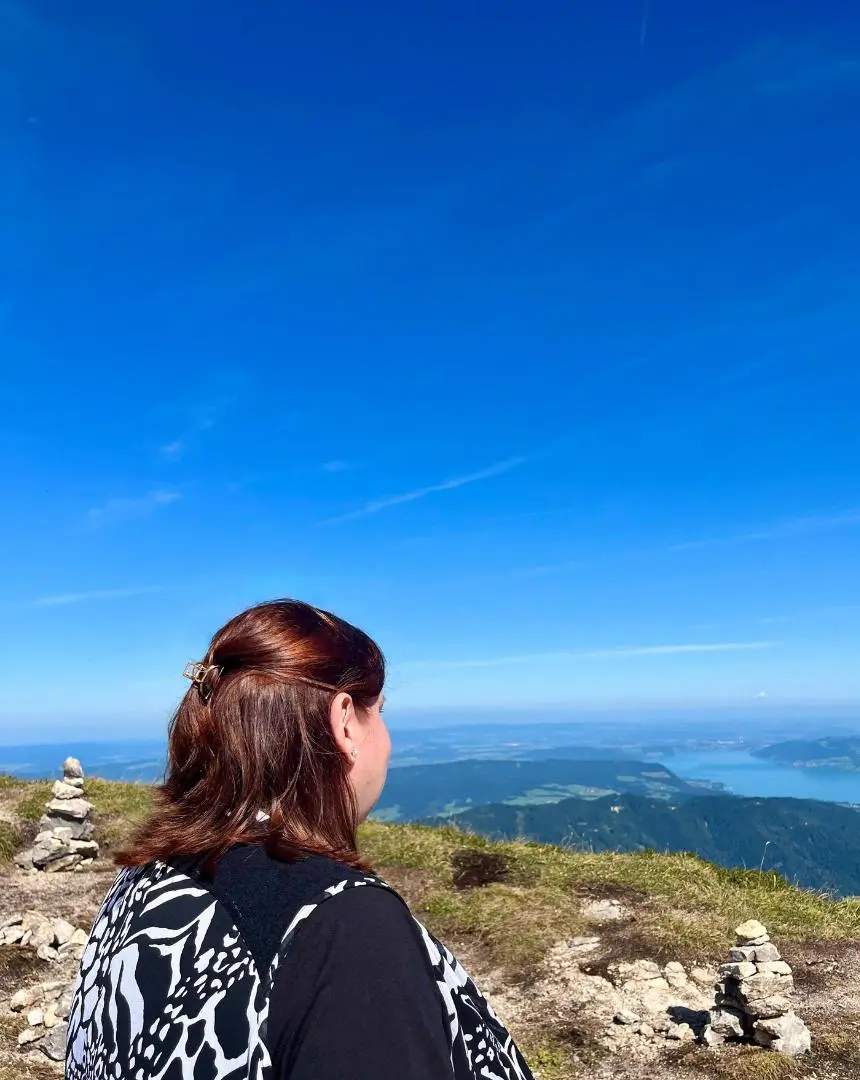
(685, 907)
(689, 901)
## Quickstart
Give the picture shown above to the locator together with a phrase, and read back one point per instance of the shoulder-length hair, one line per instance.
(251, 756)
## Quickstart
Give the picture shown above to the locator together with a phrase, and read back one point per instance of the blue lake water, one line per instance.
(744, 774)
(738, 771)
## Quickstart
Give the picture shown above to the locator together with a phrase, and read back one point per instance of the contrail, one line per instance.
(643, 29)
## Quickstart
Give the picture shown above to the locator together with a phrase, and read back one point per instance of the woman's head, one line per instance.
(278, 740)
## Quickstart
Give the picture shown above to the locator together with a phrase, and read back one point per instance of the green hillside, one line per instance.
(842, 752)
(415, 792)
(813, 844)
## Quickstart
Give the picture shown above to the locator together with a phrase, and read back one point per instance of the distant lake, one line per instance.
(738, 771)
(744, 774)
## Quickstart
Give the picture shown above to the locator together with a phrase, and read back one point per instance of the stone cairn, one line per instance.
(65, 838)
(753, 997)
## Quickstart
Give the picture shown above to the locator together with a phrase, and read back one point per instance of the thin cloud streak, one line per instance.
(795, 527)
(421, 493)
(619, 652)
(63, 599)
(125, 508)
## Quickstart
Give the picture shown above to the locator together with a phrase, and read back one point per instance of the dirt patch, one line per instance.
(472, 868)
(19, 967)
(626, 895)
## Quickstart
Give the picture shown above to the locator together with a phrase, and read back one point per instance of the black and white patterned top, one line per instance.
(269, 971)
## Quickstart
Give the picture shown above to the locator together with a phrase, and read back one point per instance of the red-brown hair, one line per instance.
(255, 735)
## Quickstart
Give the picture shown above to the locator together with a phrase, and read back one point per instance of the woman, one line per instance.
(244, 936)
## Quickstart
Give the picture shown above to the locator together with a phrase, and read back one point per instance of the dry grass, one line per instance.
(739, 1063)
(689, 906)
(118, 806)
(10, 841)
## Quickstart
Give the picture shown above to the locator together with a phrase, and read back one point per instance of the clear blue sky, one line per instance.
(523, 335)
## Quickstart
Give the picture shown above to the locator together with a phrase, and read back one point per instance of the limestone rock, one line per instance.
(72, 768)
(743, 953)
(767, 953)
(625, 1016)
(51, 1020)
(728, 1023)
(22, 999)
(774, 967)
(63, 932)
(74, 809)
(767, 1008)
(749, 931)
(84, 848)
(788, 1034)
(12, 935)
(64, 862)
(35, 1017)
(28, 1035)
(54, 1043)
(604, 910)
(742, 970)
(62, 790)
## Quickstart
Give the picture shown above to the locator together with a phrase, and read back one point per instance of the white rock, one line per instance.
(625, 1017)
(727, 1022)
(28, 1035)
(45, 952)
(62, 790)
(51, 1020)
(774, 967)
(749, 930)
(72, 768)
(788, 1034)
(742, 970)
(63, 931)
(86, 848)
(35, 1017)
(701, 975)
(22, 999)
(54, 1043)
(603, 910)
(76, 809)
(767, 953)
(12, 935)
(742, 954)
(13, 920)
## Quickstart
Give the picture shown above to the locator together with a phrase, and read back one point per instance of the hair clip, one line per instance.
(198, 674)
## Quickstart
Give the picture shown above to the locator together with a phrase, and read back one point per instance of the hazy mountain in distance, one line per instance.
(419, 791)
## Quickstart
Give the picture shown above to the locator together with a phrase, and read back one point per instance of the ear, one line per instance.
(344, 725)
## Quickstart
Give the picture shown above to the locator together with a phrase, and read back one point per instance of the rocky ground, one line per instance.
(603, 967)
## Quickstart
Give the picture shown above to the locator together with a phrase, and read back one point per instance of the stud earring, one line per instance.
(353, 753)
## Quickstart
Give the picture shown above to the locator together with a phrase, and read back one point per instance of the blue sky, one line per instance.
(525, 336)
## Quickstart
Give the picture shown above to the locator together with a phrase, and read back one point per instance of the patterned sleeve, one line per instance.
(354, 999)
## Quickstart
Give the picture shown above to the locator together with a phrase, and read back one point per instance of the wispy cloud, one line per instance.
(63, 599)
(619, 652)
(801, 526)
(125, 508)
(178, 447)
(432, 489)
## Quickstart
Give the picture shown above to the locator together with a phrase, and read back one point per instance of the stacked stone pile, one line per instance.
(65, 838)
(51, 939)
(753, 1000)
